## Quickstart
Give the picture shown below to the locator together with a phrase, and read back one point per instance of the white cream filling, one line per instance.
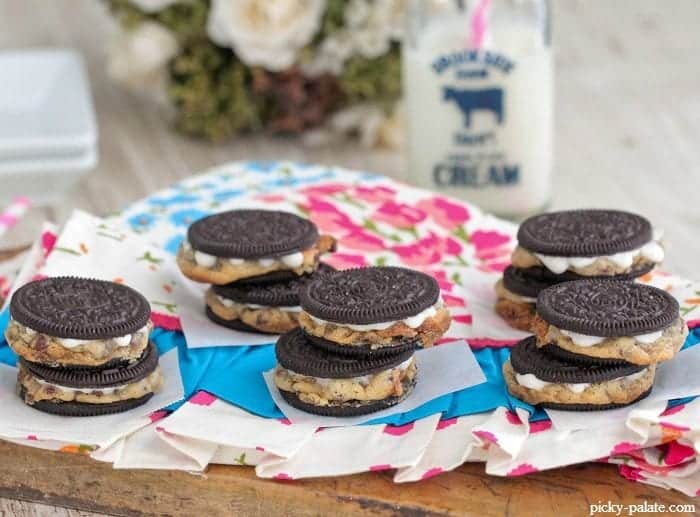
(363, 380)
(119, 341)
(413, 321)
(584, 340)
(230, 303)
(107, 391)
(530, 381)
(293, 260)
(652, 251)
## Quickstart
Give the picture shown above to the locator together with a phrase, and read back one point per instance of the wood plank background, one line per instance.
(627, 122)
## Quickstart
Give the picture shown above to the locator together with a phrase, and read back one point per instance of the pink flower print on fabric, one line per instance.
(202, 398)
(486, 436)
(631, 473)
(442, 424)
(522, 469)
(360, 239)
(345, 260)
(398, 430)
(327, 216)
(323, 189)
(444, 212)
(432, 472)
(624, 448)
(485, 241)
(398, 215)
(377, 194)
(440, 275)
(677, 453)
(428, 250)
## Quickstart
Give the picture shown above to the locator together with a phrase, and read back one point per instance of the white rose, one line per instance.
(370, 27)
(267, 33)
(152, 6)
(138, 57)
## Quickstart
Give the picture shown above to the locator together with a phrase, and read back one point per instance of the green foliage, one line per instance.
(377, 80)
(211, 90)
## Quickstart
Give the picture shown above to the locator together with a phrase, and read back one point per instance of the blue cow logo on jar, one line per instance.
(469, 101)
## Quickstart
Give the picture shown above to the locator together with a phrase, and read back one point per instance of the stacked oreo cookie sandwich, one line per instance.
(596, 345)
(354, 352)
(257, 260)
(83, 346)
(572, 245)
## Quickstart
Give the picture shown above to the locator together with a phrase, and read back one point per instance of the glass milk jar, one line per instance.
(478, 90)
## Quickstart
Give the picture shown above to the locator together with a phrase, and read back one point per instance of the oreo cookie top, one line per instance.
(525, 283)
(252, 234)
(94, 378)
(80, 308)
(607, 308)
(526, 358)
(280, 294)
(294, 352)
(370, 295)
(584, 233)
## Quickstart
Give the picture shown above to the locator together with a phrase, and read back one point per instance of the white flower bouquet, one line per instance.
(322, 67)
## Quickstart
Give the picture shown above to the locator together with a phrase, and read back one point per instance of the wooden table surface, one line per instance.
(627, 121)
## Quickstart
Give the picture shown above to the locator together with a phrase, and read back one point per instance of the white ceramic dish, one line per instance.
(43, 179)
(45, 104)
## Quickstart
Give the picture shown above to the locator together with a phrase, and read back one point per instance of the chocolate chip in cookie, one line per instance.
(317, 381)
(62, 391)
(543, 379)
(263, 307)
(284, 293)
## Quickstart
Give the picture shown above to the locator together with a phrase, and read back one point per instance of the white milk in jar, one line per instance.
(478, 89)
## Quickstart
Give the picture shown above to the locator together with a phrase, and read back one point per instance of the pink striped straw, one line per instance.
(13, 213)
(479, 23)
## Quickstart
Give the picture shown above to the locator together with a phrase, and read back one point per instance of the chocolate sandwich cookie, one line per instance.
(373, 309)
(541, 379)
(517, 294)
(78, 322)
(323, 383)
(266, 307)
(589, 243)
(605, 319)
(230, 246)
(71, 392)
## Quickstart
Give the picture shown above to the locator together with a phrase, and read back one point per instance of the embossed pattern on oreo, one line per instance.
(80, 308)
(278, 294)
(370, 295)
(526, 358)
(295, 352)
(607, 308)
(252, 234)
(584, 233)
(105, 378)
